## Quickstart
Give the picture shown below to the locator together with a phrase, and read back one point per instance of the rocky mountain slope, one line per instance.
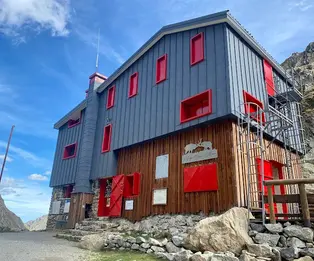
(303, 65)
(9, 222)
(38, 224)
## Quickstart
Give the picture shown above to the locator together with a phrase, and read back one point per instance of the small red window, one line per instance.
(201, 178)
(161, 69)
(197, 48)
(196, 106)
(133, 86)
(110, 97)
(269, 79)
(253, 106)
(106, 139)
(132, 185)
(67, 191)
(74, 120)
(69, 151)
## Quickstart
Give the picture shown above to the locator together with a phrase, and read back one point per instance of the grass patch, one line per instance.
(121, 256)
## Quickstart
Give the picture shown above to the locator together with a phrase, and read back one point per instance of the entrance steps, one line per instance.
(91, 226)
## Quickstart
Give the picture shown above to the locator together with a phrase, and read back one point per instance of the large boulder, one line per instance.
(227, 232)
(303, 233)
(9, 222)
(93, 242)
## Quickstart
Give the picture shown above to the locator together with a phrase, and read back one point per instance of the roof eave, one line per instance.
(81, 106)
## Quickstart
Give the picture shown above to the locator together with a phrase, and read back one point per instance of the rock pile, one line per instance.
(287, 241)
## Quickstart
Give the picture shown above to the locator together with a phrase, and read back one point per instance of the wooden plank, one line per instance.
(304, 206)
(271, 206)
(284, 198)
(289, 181)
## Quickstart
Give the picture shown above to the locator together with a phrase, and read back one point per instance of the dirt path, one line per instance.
(38, 246)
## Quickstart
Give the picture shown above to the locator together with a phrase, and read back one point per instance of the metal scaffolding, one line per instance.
(278, 120)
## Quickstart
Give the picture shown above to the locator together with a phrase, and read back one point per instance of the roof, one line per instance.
(212, 19)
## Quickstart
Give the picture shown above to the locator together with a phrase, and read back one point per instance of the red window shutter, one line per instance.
(269, 79)
(110, 97)
(106, 138)
(136, 183)
(161, 69)
(133, 86)
(197, 49)
(201, 178)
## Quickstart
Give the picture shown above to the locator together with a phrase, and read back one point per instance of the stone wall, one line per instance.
(95, 190)
(57, 195)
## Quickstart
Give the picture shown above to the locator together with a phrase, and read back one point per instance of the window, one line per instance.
(197, 48)
(253, 106)
(55, 207)
(69, 151)
(162, 165)
(196, 106)
(106, 139)
(67, 191)
(110, 96)
(74, 120)
(269, 80)
(132, 185)
(201, 178)
(133, 86)
(161, 69)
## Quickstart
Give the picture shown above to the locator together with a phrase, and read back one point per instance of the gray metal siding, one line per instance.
(64, 171)
(155, 110)
(246, 72)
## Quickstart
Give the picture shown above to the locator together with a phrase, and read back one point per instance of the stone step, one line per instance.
(69, 237)
(79, 232)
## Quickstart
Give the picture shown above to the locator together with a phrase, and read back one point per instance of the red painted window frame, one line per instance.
(74, 124)
(131, 86)
(193, 60)
(109, 127)
(185, 101)
(110, 97)
(64, 151)
(269, 78)
(250, 98)
(160, 79)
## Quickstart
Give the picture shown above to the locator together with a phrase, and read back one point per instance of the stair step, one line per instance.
(79, 232)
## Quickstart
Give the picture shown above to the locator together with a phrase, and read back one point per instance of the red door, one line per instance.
(268, 175)
(116, 196)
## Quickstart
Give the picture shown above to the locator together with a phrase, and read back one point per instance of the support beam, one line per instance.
(304, 206)
(271, 205)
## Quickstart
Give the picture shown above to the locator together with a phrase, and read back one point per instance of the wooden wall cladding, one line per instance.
(142, 158)
(273, 152)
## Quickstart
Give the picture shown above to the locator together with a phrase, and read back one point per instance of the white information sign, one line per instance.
(67, 206)
(160, 197)
(129, 204)
(162, 166)
(55, 208)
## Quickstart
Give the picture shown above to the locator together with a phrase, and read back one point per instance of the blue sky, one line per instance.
(48, 49)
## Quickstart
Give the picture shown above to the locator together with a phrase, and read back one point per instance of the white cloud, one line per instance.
(34, 15)
(48, 172)
(27, 200)
(9, 159)
(26, 155)
(37, 177)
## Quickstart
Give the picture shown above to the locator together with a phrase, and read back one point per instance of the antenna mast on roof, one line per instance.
(97, 56)
(6, 153)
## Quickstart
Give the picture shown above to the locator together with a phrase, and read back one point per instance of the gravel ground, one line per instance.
(38, 246)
